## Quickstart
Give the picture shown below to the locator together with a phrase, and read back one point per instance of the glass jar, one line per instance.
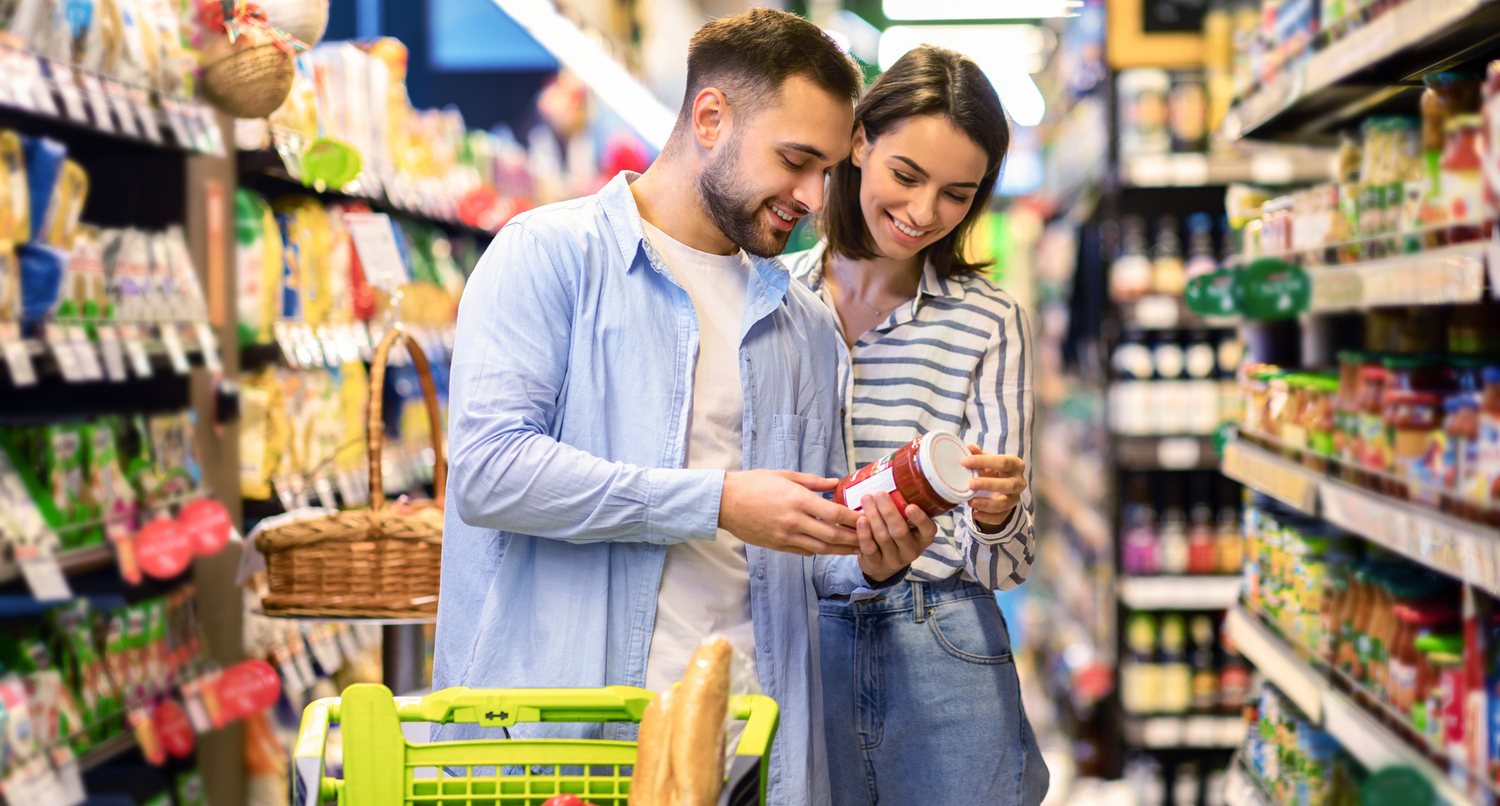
(1414, 420)
(1459, 474)
(1318, 418)
(1488, 473)
(1372, 446)
(1461, 178)
(1290, 427)
(1441, 654)
(1345, 409)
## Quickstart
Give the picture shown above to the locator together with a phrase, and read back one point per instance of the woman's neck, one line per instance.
(878, 277)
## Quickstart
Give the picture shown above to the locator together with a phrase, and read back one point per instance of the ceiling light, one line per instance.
(979, 9)
(610, 82)
(1024, 46)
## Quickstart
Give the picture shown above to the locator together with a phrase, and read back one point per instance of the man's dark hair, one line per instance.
(749, 56)
(926, 81)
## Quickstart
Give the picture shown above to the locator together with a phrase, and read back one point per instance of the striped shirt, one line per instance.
(958, 358)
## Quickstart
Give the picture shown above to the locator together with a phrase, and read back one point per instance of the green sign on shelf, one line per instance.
(1275, 289)
(1215, 294)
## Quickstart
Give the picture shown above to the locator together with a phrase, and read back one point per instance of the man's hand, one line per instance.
(998, 489)
(781, 510)
(888, 539)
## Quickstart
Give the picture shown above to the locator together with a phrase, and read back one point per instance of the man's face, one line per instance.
(768, 171)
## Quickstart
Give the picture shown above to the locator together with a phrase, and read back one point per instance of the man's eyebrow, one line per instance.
(918, 169)
(812, 151)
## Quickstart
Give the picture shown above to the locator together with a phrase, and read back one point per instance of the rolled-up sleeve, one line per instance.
(509, 365)
(999, 416)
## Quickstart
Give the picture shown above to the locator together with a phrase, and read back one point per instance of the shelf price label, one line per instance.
(112, 353)
(44, 576)
(140, 364)
(1258, 471)
(171, 338)
(210, 347)
(376, 244)
(64, 352)
(119, 101)
(98, 102)
(66, 84)
(17, 361)
(140, 102)
(88, 357)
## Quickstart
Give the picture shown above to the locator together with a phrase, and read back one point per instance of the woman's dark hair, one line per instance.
(926, 81)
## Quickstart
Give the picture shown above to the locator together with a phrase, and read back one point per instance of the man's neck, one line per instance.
(660, 198)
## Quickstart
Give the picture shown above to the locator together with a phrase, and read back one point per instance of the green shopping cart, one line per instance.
(381, 768)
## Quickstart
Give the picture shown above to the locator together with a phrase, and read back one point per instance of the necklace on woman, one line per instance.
(849, 290)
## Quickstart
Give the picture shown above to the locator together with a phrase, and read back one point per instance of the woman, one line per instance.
(921, 700)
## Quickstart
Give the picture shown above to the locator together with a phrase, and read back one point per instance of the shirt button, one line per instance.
(760, 573)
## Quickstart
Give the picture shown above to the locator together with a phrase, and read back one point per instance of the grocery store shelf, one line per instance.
(106, 751)
(1269, 167)
(1361, 70)
(90, 558)
(264, 171)
(1166, 453)
(1167, 312)
(1458, 548)
(1364, 736)
(1244, 788)
(1090, 525)
(1437, 277)
(1179, 592)
(1277, 661)
(1162, 732)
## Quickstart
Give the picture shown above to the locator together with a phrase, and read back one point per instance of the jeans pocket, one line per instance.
(971, 630)
(799, 443)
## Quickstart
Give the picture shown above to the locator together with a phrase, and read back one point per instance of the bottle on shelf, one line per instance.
(1140, 675)
(1234, 677)
(1167, 274)
(1138, 543)
(1201, 391)
(1201, 259)
(1185, 784)
(1172, 540)
(1132, 399)
(1175, 675)
(1168, 402)
(1229, 540)
(1130, 273)
(1202, 539)
(1205, 670)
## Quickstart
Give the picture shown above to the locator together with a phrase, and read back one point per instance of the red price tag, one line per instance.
(247, 688)
(207, 522)
(163, 548)
(174, 730)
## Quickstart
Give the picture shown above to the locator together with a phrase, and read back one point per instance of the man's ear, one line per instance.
(711, 117)
(857, 153)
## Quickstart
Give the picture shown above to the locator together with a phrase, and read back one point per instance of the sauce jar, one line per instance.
(1459, 473)
(927, 472)
(1483, 489)
(1462, 181)
(1318, 419)
(1345, 410)
(1441, 656)
(1371, 445)
(1413, 419)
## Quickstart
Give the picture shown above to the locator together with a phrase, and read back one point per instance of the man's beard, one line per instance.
(721, 190)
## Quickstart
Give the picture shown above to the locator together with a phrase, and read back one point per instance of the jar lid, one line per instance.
(1461, 401)
(1491, 375)
(1468, 120)
(1372, 372)
(1405, 397)
(1441, 644)
(1412, 361)
(941, 456)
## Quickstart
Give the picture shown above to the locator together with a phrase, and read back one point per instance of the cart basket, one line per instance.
(382, 769)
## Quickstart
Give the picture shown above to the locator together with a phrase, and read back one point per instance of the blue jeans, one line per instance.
(921, 701)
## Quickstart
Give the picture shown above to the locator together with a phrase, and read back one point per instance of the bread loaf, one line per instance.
(698, 725)
(651, 783)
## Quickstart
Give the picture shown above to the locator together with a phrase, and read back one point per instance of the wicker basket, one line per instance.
(382, 562)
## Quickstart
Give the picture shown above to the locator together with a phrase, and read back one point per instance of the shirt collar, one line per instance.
(625, 221)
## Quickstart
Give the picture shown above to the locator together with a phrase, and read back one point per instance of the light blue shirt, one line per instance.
(569, 404)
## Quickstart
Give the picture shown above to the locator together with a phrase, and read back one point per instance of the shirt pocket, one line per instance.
(799, 443)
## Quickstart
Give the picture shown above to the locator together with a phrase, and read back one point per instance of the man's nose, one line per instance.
(809, 193)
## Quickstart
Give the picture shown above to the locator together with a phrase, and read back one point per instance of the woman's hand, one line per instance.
(998, 489)
(888, 539)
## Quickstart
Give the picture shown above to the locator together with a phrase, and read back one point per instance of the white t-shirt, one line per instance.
(705, 585)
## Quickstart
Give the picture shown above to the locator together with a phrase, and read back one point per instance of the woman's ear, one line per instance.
(857, 154)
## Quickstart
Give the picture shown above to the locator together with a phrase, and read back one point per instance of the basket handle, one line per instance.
(492, 708)
(376, 422)
(309, 787)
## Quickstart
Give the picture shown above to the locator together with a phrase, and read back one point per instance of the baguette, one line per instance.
(651, 783)
(698, 725)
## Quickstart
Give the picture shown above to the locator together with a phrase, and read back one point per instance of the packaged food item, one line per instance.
(927, 472)
(84, 287)
(1144, 111)
(1187, 111)
(1461, 177)
(127, 267)
(258, 266)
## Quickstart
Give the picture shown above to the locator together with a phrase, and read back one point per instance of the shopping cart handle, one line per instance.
(493, 708)
(309, 787)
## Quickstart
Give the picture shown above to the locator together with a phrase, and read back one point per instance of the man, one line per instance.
(621, 360)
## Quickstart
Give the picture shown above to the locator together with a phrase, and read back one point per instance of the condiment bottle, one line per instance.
(1205, 673)
(1167, 275)
(1138, 549)
(1462, 178)
(1229, 540)
(1130, 272)
(1202, 555)
(1173, 540)
(927, 472)
(1176, 678)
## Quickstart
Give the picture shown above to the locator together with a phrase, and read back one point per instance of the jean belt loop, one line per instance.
(918, 601)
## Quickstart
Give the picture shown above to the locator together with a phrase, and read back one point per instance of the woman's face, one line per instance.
(917, 183)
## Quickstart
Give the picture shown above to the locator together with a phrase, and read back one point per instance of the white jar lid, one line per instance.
(941, 455)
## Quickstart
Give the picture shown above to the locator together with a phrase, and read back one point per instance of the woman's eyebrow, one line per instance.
(918, 169)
